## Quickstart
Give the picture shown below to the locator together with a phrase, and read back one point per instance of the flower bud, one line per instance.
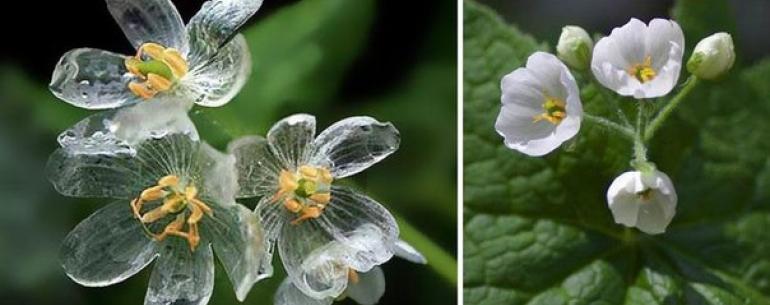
(712, 56)
(575, 47)
(644, 200)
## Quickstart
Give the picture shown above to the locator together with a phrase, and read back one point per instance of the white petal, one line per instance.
(107, 247)
(215, 82)
(257, 169)
(238, 241)
(155, 21)
(291, 140)
(651, 215)
(216, 23)
(181, 276)
(288, 294)
(369, 289)
(524, 92)
(354, 144)
(406, 251)
(120, 131)
(92, 79)
(662, 41)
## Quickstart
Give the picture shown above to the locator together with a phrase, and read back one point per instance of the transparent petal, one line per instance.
(406, 251)
(181, 276)
(120, 131)
(239, 243)
(257, 168)
(107, 247)
(125, 175)
(349, 210)
(212, 171)
(288, 294)
(291, 140)
(155, 21)
(215, 24)
(353, 144)
(273, 217)
(215, 82)
(369, 288)
(92, 79)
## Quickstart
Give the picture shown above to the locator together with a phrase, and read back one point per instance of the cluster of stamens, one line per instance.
(644, 71)
(157, 68)
(305, 192)
(180, 202)
(554, 111)
(645, 195)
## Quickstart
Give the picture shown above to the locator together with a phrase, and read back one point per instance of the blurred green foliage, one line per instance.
(538, 231)
(302, 54)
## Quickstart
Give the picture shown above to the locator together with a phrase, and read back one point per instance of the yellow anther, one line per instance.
(151, 49)
(190, 192)
(174, 60)
(158, 82)
(292, 205)
(326, 175)
(554, 111)
(153, 193)
(195, 215)
(154, 215)
(322, 198)
(170, 180)
(308, 172)
(307, 213)
(643, 72)
(352, 276)
(142, 90)
(132, 65)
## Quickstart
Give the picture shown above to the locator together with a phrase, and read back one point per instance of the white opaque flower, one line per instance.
(205, 61)
(174, 201)
(713, 56)
(541, 106)
(645, 200)
(364, 288)
(575, 47)
(293, 170)
(640, 60)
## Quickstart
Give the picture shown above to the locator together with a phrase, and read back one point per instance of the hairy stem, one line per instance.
(624, 131)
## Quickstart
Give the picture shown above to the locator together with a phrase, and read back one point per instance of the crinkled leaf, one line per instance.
(538, 231)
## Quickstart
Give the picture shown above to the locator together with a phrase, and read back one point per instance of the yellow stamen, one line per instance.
(352, 276)
(554, 111)
(643, 72)
(142, 90)
(175, 200)
(158, 82)
(174, 60)
(305, 192)
(157, 68)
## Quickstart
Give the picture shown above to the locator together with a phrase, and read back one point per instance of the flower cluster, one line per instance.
(541, 106)
(173, 197)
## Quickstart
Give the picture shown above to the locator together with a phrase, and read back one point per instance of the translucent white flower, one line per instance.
(174, 201)
(205, 61)
(712, 56)
(575, 47)
(640, 60)
(302, 211)
(541, 106)
(364, 288)
(645, 200)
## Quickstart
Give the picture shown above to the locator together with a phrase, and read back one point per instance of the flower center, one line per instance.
(645, 195)
(554, 111)
(180, 202)
(305, 192)
(644, 71)
(157, 68)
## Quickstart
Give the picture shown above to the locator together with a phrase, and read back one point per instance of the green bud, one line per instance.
(712, 57)
(575, 47)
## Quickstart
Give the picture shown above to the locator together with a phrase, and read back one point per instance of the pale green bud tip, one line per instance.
(712, 57)
(575, 47)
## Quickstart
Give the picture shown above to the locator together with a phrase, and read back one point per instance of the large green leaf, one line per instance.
(538, 231)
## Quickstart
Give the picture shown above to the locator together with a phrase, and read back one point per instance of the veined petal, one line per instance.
(238, 241)
(99, 175)
(120, 131)
(369, 289)
(288, 294)
(216, 81)
(354, 144)
(291, 140)
(214, 170)
(215, 24)
(273, 216)
(405, 251)
(155, 21)
(92, 79)
(181, 276)
(256, 168)
(107, 247)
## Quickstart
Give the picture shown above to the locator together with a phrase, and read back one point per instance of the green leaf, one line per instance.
(299, 55)
(538, 230)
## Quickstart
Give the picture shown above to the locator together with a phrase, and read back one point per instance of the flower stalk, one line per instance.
(661, 117)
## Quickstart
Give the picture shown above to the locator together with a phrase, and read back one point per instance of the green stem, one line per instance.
(640, 151)
(624, 131)
(439, 260)
(612, 100)
(657, 122)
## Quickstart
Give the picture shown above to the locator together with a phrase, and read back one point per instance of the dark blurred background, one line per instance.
(330, 58)
(545, 18)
